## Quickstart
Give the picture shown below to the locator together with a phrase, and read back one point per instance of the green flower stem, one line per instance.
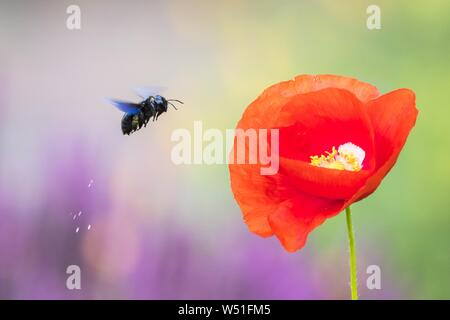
(351, 243)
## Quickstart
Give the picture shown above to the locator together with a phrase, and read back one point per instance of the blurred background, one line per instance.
(149, 229)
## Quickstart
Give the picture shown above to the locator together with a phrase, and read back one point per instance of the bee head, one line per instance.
(161, 103)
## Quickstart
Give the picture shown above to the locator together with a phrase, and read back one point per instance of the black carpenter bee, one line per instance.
(139, 114)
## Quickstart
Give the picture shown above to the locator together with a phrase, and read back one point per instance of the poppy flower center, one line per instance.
(348, 157)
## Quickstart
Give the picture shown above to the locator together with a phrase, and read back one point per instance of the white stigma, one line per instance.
(348, 149)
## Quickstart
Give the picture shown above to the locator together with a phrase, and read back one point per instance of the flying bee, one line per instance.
(137, 115)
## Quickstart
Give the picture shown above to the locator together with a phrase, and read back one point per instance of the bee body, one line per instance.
(137, 115)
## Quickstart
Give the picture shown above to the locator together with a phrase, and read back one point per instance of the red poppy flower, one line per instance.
(338, 138)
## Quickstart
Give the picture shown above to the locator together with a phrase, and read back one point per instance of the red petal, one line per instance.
(309, 83)
(393, 115)
(316, 122)
(270, 205)
(296, 218)
(323, 182)
(313, 123)
(261, 112)
(250, 191)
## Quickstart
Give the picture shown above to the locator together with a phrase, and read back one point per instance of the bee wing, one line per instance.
(127, 107)
(145, 92)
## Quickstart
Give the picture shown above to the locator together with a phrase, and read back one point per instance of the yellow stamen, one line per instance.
(347, 157)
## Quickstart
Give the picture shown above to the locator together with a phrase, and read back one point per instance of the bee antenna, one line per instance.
(172, 105)
(176, 101)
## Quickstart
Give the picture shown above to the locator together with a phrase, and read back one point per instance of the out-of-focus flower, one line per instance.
(338, 138)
